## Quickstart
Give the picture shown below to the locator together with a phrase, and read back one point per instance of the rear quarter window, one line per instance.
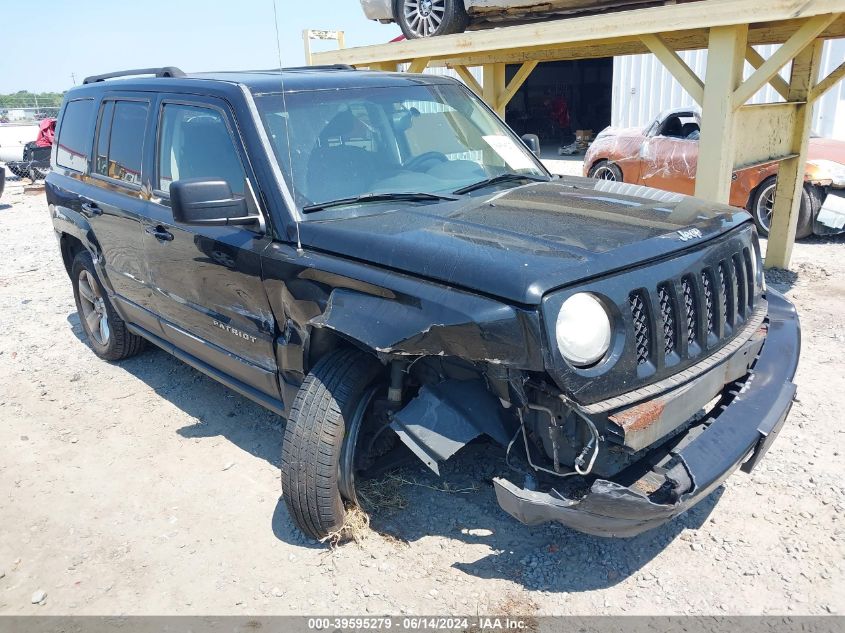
(74, 144)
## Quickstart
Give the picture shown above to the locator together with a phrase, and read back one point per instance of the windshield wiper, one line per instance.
(497, 179)
(376, 197)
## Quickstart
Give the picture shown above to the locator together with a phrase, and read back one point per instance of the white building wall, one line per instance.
(642, 88)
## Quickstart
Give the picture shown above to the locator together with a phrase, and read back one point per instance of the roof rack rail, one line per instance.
(164, 71)
(324, 67)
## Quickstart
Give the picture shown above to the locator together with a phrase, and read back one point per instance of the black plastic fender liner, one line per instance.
(746, 426)
(445, 417)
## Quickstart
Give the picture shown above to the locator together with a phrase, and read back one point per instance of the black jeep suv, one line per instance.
(379, 259)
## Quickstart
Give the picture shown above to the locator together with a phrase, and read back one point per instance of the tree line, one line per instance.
(26, 99)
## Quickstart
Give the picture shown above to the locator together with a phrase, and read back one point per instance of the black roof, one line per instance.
(262, 81)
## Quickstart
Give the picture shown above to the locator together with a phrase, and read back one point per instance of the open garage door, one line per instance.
(560, 97)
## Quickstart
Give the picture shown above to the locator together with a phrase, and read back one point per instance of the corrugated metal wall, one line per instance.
(642, 88)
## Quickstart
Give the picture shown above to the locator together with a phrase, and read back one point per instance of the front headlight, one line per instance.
(583, 329)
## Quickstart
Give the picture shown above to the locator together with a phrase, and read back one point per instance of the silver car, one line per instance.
(427, 18)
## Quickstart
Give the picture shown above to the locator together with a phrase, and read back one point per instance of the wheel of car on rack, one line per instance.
(605, 170)
(427, 18)
(320, 437)
(762, 204)
(107, 333)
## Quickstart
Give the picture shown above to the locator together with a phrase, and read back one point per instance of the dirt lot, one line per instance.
(143, 487)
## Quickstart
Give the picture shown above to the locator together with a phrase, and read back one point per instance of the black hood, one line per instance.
(520, 243)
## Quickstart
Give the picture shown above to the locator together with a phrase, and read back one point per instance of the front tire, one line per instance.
(605, 170)
(314, 439)
(428, 18)
(763, 202)
(107, 333)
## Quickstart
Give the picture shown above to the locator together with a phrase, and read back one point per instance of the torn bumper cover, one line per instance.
(744, 429)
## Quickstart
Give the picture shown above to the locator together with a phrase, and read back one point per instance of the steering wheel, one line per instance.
(417, 162)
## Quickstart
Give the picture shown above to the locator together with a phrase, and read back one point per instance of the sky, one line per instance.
(77, 38)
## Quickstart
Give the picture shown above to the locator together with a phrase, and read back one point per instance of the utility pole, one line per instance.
(73, 78)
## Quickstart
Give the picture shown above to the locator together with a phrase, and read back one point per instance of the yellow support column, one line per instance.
(725, 59)
(805, 70)
(494, 87)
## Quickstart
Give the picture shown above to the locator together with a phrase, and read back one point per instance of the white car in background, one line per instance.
(427, 18)
(13, 137)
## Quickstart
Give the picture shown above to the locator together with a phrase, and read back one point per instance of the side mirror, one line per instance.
(208, 202)
(532, 142)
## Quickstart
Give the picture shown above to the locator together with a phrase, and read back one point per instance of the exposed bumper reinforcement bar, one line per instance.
(744, 429)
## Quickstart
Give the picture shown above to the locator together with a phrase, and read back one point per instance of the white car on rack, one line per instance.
(427, 18)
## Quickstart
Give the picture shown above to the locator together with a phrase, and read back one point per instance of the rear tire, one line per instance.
(418, 18)
(108, 336)
(314, 437)
(763, 200)
(605, 170)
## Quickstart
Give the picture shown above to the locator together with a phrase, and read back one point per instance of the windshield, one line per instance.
(429, 139)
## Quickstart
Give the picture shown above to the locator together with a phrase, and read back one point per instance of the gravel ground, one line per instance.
(143, 487)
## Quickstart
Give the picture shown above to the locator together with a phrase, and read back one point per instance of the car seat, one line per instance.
(689, 129)
(672, 127)
(335, 169)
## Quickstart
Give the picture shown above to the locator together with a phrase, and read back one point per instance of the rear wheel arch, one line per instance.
(70, 246)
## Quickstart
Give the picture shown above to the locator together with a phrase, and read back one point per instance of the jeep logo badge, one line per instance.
(689, 234)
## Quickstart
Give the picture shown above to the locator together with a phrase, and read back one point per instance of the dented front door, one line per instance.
(207, 279)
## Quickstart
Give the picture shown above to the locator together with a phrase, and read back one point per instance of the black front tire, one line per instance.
(314, 436)
(810, 203)
(454, 20)
(605, 170)
(120, 343)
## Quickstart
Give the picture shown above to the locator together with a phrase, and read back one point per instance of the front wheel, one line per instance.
(605, 170)
(326, 408)
(427, 18)
(763, 203)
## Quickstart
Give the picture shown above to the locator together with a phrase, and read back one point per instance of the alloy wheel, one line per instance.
(93, 308)
(765, 205)
(604, 173)
(424, 17)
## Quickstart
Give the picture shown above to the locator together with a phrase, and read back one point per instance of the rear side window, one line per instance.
(74, 142)
(195, 142)
(120, 140)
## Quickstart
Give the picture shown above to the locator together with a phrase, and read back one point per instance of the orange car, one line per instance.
(664, 155)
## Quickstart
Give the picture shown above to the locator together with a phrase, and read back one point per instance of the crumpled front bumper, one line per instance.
(740, 435)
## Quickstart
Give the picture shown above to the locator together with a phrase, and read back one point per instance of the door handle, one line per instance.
(91, 208)
(160, 233)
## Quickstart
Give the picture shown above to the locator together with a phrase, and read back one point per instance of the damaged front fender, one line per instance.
(442, 323)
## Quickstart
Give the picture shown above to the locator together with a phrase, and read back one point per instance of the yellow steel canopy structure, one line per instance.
(733, 134)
